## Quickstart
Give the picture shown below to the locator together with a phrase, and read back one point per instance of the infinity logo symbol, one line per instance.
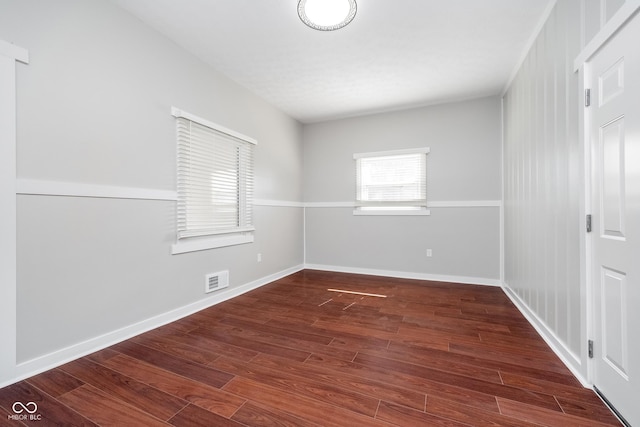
(20, 407)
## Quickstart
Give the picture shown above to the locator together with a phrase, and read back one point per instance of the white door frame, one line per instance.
(9, 54)
(581, 64)
(626, 12)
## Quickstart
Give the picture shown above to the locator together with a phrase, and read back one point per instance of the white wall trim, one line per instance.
(65, 355)
(8, 257)
(502, 174)
(419, 150)
(39, 187)
(211, 242)
(278, 203)
(391, 212)
(9, 54)
(626, 12)
(406, 275)
(178, 113)
(430, 204)
(351, 204)
(586, 291)
(14, 52)
(76, 189)
(465, 204)
(571, 360)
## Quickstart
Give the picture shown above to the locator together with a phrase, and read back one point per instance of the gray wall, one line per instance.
(94, 108)
(463, 166)
(544, 178)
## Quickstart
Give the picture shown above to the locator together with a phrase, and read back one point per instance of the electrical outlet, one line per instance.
(429, 253)
(259, 257)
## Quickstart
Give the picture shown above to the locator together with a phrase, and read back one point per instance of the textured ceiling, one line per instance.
(395, 54)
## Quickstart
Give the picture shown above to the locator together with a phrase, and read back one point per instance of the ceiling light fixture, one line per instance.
(327, 15)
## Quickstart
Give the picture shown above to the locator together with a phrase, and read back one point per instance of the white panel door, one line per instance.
(615, 141)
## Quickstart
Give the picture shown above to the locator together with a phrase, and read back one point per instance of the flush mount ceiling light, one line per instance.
(327, 15)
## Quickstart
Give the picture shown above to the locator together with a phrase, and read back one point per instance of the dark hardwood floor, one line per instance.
(293, 353)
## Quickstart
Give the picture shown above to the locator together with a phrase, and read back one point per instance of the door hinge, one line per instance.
(588, 223)
(587, 97)
(590, 349)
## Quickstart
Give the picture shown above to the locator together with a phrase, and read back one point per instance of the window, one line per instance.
(392, 182)
(215, 185)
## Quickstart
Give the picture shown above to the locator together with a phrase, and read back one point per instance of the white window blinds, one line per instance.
(215, 179)
(392, 180)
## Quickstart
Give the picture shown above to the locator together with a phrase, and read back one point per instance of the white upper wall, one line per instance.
(464, 137)
(97, 97)
(93, 108)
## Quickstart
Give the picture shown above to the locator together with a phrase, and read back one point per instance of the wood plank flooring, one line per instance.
(293, 353)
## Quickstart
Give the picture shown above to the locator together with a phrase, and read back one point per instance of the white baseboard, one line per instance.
(406, 275)
(49, 361)
(570, 359)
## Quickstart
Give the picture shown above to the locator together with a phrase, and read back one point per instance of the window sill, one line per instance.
(391, 212)
(211, 242)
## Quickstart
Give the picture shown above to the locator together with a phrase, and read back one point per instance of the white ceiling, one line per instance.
(395, 54)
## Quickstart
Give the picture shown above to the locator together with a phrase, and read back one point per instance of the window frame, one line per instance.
(215, 239)
(401, 208)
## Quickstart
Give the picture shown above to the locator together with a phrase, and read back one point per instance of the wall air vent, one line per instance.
(216, 281)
